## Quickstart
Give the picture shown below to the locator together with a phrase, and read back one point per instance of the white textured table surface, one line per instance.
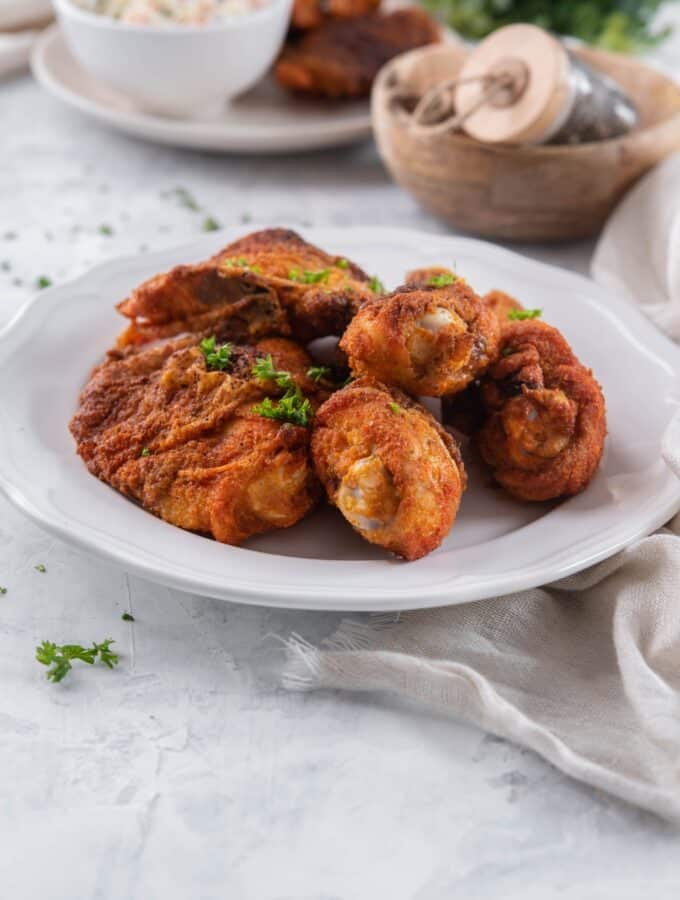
(187, 772)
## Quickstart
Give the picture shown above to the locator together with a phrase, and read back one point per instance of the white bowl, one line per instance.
(177, 70)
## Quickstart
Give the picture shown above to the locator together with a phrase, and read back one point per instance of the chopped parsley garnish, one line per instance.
(40, 568)
(211, 224)
(216, 358)
(127, 617)
(145, 452)
(396, 409)
(264, 369)
(376, 285)
(59, 658)
(235, 261)
(43, 282)
(106, 230)
(308, 276)
(293, 407)
(507, 351)
(442, 280)
(319, 373)
(520, 315)
(3, 591)
(342, 263)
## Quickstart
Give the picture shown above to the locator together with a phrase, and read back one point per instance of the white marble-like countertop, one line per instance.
(187, 772)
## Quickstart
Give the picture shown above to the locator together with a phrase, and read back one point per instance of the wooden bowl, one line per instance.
(549, 193)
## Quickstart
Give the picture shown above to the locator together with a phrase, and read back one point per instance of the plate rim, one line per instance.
(542, 571)
(279, 139)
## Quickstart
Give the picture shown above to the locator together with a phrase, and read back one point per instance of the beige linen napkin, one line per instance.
(585, 671)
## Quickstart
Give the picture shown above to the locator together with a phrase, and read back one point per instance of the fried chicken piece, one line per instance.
(341, 58)
(200, 299)
(181, 438)
(393, 472)
(312, 13)
(544, 415)
(502, 305)
(320, 293)
(430, 341)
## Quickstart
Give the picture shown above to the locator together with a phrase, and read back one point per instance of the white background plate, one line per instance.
(497, 546)
(265, 120)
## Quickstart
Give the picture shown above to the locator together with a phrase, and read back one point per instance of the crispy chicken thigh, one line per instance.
(182, 439)
(341, 58)
(430, 341)
(271, 282)
(544, 421)
(199, 299)
(319, 292)
(393, 472)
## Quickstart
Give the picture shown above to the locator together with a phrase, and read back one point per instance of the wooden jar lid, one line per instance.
(538, 95)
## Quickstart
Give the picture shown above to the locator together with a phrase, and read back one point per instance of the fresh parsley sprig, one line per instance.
(521, 315)
(319, 373)
(376, 285)
(442, 280)
(59, 658)
(293, 408)
(216, 358)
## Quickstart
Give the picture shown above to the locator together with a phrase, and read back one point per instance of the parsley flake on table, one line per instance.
(521, 315)
(376, 285)
(127, 617)
(59, 658)
(293, 408)
(3, 591)
(43, 282)
(211, 224)
(40, 568)
(442, 280)
(184, 198)
(106, 230)
(216, 358)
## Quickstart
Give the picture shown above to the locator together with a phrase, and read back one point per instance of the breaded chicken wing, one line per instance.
(319, 292)
(312, 13)
(500, 303)
(430, 341)
(175, 427)
(200, 299)
(393, 472)
(544, 415)
(341, 58)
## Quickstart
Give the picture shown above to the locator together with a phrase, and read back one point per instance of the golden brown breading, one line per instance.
(312, 13)
(545, 421)
(200, 299)
(393, 472)
(430, 341)
(502, 305)
(320, 292)
(340, 59)
(183, 440)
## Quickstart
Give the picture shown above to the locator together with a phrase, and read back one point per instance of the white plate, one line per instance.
(265, 120)
(22, 13)
(497, 546)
